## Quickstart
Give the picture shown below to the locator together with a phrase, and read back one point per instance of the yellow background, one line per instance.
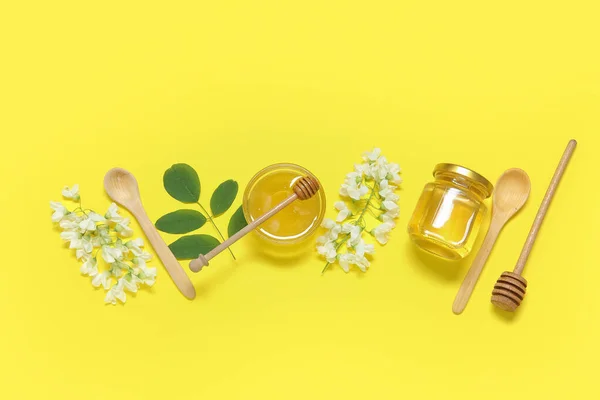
(232, 86)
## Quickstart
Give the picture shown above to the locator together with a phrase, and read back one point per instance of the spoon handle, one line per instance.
(178, 275)
(539, 218)
(464, 293)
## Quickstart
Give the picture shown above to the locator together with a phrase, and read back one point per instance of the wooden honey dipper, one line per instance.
(509, 290)
(304, 188)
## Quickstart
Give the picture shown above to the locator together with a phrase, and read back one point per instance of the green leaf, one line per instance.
(223, 197)
(181, 221)
(191, 246)
(237, 222)
(182, 183)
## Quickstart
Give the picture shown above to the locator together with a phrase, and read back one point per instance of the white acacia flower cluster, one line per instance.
(369, 193)
(90, 233)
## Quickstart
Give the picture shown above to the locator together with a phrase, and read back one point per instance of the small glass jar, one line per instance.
(449, 213)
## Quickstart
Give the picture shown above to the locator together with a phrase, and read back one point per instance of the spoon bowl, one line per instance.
(512, 191)
(122, 187)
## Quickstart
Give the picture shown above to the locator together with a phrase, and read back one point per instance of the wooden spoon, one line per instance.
(122, 187)
(512, 191)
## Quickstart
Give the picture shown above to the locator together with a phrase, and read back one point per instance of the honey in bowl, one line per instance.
(271, 186)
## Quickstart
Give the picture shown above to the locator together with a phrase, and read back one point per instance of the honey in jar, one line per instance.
(448, 215)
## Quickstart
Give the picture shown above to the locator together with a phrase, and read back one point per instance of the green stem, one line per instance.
(362, 214)
(210, 219)
(373, 213)
(80, 208)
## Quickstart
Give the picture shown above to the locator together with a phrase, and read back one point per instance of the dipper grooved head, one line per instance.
(306, 187)
(509, 291)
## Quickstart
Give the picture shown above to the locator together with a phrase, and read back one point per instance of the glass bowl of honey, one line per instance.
(296, 222)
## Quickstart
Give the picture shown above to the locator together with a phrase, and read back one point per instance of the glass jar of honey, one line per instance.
(449, 212)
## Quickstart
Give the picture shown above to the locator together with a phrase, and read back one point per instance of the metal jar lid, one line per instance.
(466, 172)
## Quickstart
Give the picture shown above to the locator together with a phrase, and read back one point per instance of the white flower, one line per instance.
(140, 262)
(89, 223)
(344, 212)
(348, 259)
(387, 191)
(352, 186)
(144, 256)
(90, 267)
(361, 262)
(77, 241)
(135, 246)
(354, 231)
(103, 279)
(86, 244)
(73, 237)
(71, 216)
(70, 236)
(386, 218)
(381, 232)
(113, 213)
(96, 217)
(363, 169)
(363, 248)
(353, 190)
(59, 211)
(393, 210)
(72, 193)
(116, 268)
(99, 241)
(391, 215)
(147, 275)
(119, 246)
(328, 250)
(68, 225)
(322, 239)
(111, 254)
(123, 228)
(104, 232)
(130, 283)
(116, 293)
(328, 223)
(371, 156)
(81, 254)
(102, 237)
(345, 260)
(393, 171)
(392, 197)
(379, 169)
(334, 229)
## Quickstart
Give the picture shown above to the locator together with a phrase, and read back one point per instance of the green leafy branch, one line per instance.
(181, 181)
